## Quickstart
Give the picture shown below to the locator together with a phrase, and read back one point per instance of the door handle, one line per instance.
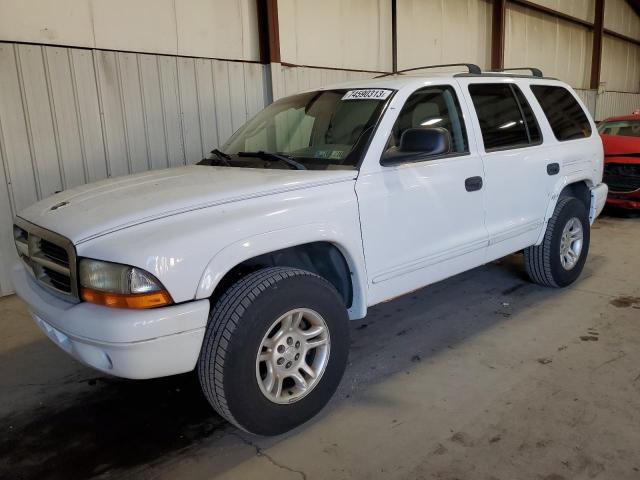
(553, 168)
(473, 183)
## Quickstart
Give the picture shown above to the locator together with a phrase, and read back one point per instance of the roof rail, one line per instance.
(470, 66)
(535, 72)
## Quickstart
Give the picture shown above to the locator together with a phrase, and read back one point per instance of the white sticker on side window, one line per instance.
(367, 94)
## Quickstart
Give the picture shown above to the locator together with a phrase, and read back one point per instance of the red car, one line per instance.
(621, 140)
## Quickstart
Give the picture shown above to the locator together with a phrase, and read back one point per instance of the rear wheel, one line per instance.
(560, 258)
(275, 350)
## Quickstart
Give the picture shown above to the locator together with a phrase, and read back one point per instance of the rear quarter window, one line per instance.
(565, 115)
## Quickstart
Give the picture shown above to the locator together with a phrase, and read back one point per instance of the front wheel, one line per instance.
(275, 350)
(559, 259)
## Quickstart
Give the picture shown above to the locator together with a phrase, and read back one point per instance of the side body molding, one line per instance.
(231, 255)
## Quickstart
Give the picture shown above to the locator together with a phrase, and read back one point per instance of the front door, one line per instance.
(422, 221)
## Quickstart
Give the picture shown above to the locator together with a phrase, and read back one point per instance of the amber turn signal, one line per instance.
(118, 300)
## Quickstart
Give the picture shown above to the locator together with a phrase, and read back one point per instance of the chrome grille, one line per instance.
(50, 257)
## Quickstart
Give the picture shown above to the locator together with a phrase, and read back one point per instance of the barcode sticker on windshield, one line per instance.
(367, 94)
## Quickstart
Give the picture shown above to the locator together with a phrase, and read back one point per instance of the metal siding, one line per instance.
(588, 97)
(560, 48)
(444, 31)
(154, 121)
(65, 123)
(620, 65)
(610, 104)
(70, 116)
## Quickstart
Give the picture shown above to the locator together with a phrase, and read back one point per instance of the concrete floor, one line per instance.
(484, 376)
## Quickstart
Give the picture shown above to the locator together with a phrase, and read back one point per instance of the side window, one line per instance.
(432, 107)
(505, 117)
(566, 117)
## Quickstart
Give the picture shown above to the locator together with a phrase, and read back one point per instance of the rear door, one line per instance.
(515, 167)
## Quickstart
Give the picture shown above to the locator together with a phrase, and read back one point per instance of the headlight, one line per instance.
(116, 285)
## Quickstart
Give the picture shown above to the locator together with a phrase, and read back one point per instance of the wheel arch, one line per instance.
(578, 187)
(309, 248)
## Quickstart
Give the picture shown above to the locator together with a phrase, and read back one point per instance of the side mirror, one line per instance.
(418, 144)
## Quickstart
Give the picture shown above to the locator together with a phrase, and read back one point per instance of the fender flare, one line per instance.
(555, 195)
(237, 252)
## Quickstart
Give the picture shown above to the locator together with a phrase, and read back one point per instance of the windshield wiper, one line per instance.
(274, 156)
(221, 156)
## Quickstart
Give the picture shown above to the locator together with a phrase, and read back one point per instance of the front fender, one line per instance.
(237, 252)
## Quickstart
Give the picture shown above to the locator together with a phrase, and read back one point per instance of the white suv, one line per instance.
(247, 266)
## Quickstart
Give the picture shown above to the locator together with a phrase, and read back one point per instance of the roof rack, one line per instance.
(474, 69)
(535, 72)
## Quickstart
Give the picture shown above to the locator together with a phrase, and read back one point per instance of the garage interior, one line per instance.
(482, 376)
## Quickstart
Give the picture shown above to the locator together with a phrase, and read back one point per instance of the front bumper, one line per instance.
(626, 200)
(122, 342)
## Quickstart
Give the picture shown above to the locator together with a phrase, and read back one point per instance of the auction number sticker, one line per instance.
(367, 94)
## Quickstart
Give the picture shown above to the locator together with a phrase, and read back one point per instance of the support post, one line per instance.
(394, 36)
(497, 34)
(596, 56)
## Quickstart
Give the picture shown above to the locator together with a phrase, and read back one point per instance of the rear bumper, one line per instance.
(598, 199)
(122, 342)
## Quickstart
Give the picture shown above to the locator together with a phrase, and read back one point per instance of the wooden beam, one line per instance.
(394, 36)
(497, 33)
(596, 53)
(268, 31)
(552, 12)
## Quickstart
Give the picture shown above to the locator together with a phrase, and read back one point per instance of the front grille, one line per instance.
(49, 256)
(54, 252)
(622, 177)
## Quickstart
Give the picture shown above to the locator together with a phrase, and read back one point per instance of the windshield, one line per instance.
(625, 128)
(319, 130)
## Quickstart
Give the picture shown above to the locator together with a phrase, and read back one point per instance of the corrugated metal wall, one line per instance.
(611, 104)
(70, 116)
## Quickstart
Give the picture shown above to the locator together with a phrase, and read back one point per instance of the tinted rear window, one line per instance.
(567, 119)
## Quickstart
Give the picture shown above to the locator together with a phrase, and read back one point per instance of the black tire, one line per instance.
(542, 262)
(237, 325)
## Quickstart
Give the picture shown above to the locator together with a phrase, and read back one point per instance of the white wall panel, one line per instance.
(444, 31)
(336, 33)
(201, 28)
(620, 65)
(71, 116)
(561, 49)
(621, 18)
(61, 22)
(583, 9)
(218, 28)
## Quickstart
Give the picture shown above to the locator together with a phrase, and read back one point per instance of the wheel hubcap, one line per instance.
(571, 243)
(293, 355)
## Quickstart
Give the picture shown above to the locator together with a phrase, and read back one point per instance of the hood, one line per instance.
(96, 209)
(621, 149)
